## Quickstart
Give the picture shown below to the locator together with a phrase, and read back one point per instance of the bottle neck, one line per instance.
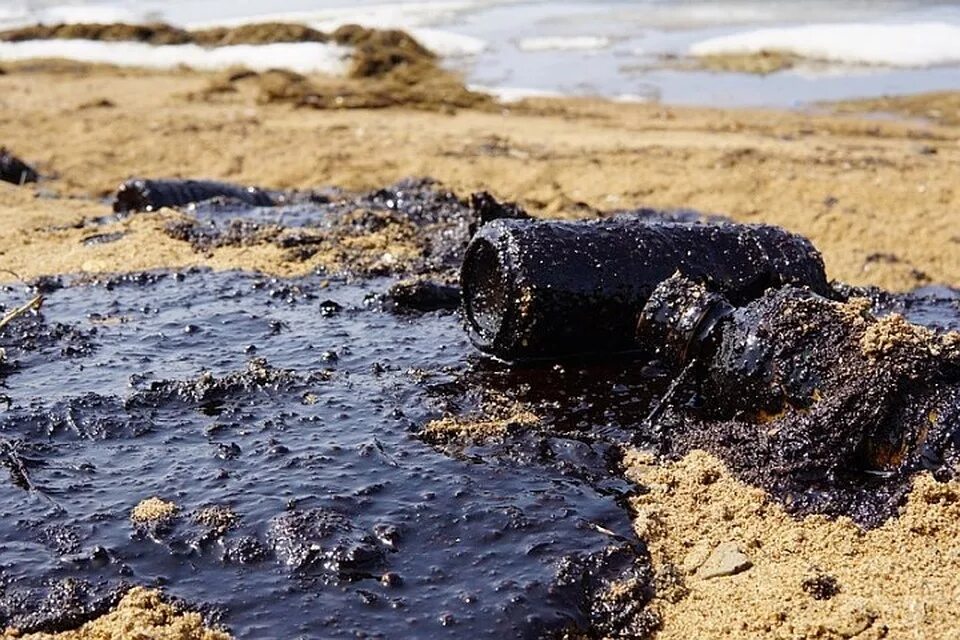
(679, 322)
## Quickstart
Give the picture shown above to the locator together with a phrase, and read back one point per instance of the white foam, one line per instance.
(693, 14)
(301, 57)
(11, 14)
(507, 95)
(564, 43)
(632, 98)
(515, 94)
(921, 44)
(66, 13)
(448, 44)
(398, 15)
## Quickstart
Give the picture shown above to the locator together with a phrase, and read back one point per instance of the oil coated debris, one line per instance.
(14, 170)
(548, 289)
(150, 195)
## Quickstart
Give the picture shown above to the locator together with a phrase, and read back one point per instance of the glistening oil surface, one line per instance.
(294, 404)
(107, 406)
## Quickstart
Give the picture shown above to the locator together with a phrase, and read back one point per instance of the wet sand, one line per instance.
(941, 107)
(877, 196)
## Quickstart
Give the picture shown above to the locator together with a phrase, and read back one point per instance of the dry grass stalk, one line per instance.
(33, 305)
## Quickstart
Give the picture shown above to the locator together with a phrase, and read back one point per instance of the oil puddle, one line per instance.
(858, 405)
(275, 420)
(934, 306)
(277, 425)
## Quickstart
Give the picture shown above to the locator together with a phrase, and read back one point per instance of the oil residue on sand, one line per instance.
(195, 430)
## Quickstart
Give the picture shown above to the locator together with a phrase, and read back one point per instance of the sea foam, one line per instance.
(448, 44)
(400, 15)
(514, 94)
(302, 57)
(66, 13)
(11, 15)
(921, 44)
(564, 43)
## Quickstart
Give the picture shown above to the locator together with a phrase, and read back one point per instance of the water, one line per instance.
(610, 48)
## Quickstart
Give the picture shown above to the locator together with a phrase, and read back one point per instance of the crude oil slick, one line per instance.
(229, 390)
(274, 429)
(151, 195)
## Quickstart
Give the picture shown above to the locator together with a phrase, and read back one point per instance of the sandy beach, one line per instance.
(856, 186)
(878, 195)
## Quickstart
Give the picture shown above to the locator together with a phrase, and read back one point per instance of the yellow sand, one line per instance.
(898, 581)
(880, 199)
(466, 429)
(141, 615)
(153, 510)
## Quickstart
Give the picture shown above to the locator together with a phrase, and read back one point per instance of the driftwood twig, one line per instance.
(32, 305)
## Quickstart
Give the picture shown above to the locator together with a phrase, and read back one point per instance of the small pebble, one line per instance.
(726, 560)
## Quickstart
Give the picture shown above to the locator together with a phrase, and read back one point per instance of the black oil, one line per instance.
(420, 210)
(151, 195)
(851, 453)
(295, 404)
(813, 400)
(553, 289)
(14, 170)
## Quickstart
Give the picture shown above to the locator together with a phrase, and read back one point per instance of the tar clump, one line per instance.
(614, 588)
(62, 605)
(323, 540)
(14, 170)
(809, 397)
(150, 195)
(138, 613)
(208, 391)
(423, 295)
(821, 586)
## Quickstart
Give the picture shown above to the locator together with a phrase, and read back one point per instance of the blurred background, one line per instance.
(725, 53)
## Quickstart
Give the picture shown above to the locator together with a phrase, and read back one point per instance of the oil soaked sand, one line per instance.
(141, 614)
(879, 198)
(897, 581)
